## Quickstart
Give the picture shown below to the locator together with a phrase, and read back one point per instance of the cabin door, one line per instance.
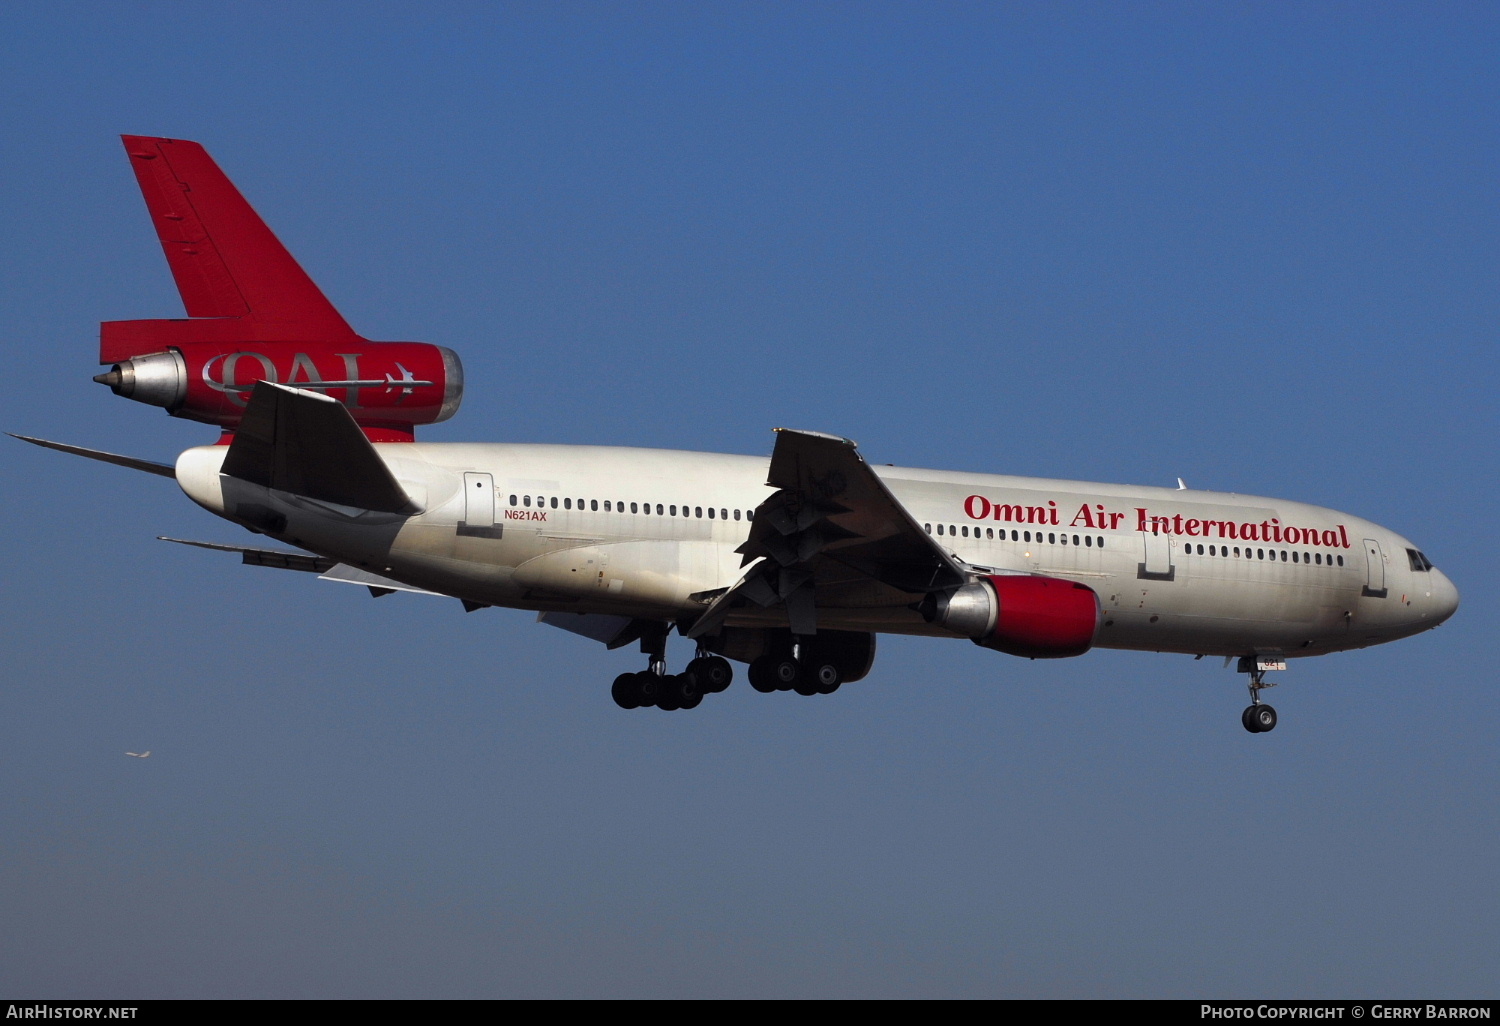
(1374, 569)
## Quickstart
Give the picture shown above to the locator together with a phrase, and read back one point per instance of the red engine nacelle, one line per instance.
(1034, 617)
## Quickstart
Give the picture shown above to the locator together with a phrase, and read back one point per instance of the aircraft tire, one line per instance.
(625, 693)
(1264, 718)
(785, 671)
(826, 678)
(670, 699)
(717, 676)
(1245, 719)
(648, 686)
(761, 676)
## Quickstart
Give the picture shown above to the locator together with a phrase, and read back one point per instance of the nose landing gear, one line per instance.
(1258, 717)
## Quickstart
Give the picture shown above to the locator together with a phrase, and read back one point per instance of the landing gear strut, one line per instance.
(1258, 717)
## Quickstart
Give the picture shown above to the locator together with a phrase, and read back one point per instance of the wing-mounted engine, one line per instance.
(255, 315)
(1033, 617)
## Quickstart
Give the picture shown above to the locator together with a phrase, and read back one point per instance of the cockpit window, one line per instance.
(1419, 562)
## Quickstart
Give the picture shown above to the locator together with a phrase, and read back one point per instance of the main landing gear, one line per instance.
(654, 686)
(1258, 717)
(803, 672)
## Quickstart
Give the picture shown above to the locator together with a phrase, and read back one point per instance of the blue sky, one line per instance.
(1251, 246)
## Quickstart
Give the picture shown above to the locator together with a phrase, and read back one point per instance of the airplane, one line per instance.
(792, 565)
(140, 755)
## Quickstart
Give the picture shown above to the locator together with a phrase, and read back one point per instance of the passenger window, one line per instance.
(927, 528)
(736, 514)
(526, 499)
(1051, 539)
(1028, 536)
(749, 514)
(1088, 541)
(658, 509)
(554, 502)
(1101, 541)
(699, 511)
(723, 513)
(1341, 561)
(1283, 555)
(989, 532)
(710, 512)
(567, 504)
(632, 507)
(940, 529)
(594, 505)
(512, 500)
(1075, 539)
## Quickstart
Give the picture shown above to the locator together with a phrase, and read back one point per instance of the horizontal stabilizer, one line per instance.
(277, 559)
(160, 469)
(297, 441)
(326, 569)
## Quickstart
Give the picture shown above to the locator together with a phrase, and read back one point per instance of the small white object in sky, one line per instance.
(140, 755)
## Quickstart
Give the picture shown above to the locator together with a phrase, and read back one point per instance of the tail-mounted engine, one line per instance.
(254, 314)
(389, 387)
(1033, 617)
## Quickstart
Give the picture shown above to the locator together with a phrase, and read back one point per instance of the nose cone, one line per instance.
(1444, 596)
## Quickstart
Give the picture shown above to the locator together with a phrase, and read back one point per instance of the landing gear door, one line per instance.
(479, 507)
(1156, 561)
(1374, 569)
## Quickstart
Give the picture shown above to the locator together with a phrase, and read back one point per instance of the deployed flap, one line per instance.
(225, 260)
(160, 469)
(831, 535)
(297, 441)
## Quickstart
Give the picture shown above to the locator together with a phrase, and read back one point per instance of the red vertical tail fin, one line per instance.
(225, 260)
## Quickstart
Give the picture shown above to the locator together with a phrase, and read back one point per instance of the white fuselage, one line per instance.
(646, 533)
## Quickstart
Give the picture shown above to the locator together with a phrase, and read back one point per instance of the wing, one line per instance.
(832, 535)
